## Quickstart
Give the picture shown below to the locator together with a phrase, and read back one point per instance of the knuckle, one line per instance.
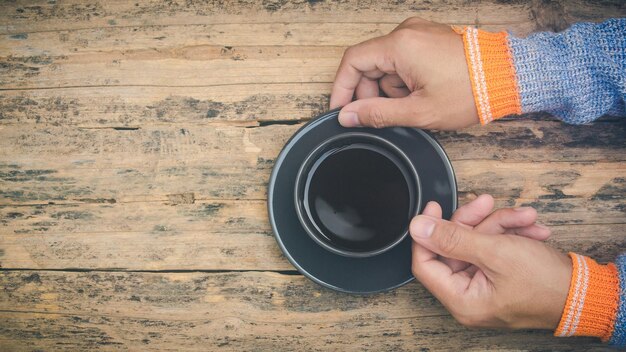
(377, 118)
(499, 212)
(449, 237)
(350, 54)
(412, 37)
(498, 217)
(347, 54)
(388, 62)
(412, 21)
(403, 35)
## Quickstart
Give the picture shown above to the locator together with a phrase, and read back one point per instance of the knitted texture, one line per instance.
(492, 73)
(592, 302)
(619, 329)
(577, 75)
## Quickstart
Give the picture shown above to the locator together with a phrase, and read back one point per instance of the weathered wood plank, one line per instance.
(201, 54)
(168, 72)
(234, 311)
(37, 16)
(158, 250)
(39, 164)
(598, 200)
(107, 227)
(181, 213)
(43, 60)
(518, 140)
(30, 16)
(134, 106)
(176, 243)
(196, 42)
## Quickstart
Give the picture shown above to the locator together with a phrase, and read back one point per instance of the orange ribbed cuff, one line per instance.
(492, 73)
(592, 300)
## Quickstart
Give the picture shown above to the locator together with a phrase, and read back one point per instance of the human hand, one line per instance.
(499, 274)
(478, 214)
(421, 68)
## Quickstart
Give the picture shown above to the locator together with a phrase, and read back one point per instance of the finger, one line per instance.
(367, 88)
(451, 240)
(433, 209)
(470, 214)
(368, 56)
(382, 112)
(502, 219)
(393, 86)
(534, 231)
(436, 276)
(474, 212)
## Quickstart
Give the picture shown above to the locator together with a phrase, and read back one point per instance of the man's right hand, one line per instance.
(491, 272)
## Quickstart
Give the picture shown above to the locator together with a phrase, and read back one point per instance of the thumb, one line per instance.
(381, 112)
(452, 240)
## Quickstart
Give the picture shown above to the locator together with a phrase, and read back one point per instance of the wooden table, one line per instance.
(136, 143)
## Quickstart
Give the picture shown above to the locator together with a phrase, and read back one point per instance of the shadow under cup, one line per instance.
(356, 193)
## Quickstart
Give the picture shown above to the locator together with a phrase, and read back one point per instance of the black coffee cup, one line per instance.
(356, 193)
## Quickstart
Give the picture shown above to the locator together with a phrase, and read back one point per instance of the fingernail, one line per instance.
(349, 119)
(422, 227)
(542, 226)
(522, 208)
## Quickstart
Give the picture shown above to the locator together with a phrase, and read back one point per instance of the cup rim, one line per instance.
(316, 153)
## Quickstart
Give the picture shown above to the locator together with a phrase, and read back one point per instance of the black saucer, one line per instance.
(378, 273)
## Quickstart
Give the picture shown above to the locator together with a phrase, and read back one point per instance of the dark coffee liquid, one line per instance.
(358, 198)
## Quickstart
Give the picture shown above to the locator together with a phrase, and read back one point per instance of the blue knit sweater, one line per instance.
(577, 75)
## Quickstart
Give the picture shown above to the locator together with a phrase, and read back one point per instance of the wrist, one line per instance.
(556, 298)
(492, 73)
(592, 300)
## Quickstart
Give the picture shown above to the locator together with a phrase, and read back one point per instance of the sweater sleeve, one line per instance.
(595, 303)
(577, 75)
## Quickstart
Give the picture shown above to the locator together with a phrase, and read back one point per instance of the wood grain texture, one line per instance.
(190, 45)
(511, 160)
(135, 106)
(38, 16)
(177, 239)
(154, 198)
(137, 139)
(233, 311)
